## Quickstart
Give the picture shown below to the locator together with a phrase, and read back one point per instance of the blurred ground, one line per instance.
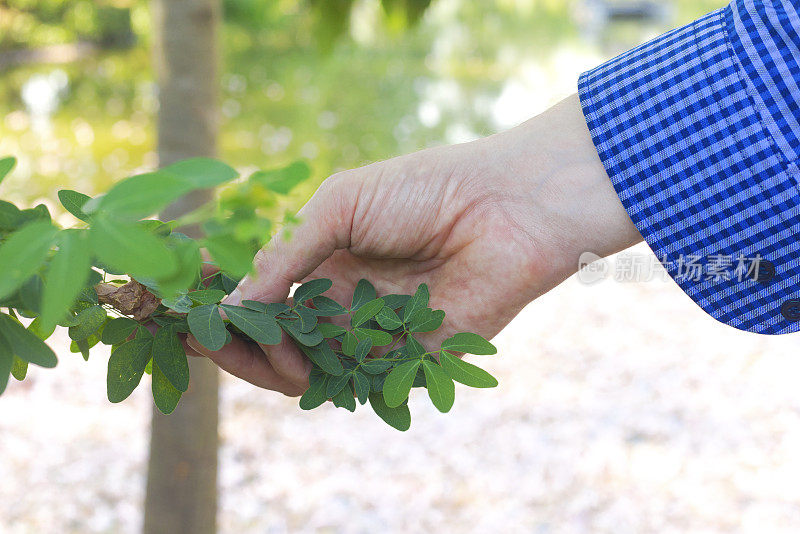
(622, 408)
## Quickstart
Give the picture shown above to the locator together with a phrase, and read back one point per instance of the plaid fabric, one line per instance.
(699, 132)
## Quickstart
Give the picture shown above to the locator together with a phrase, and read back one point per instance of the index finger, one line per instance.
(326, 223)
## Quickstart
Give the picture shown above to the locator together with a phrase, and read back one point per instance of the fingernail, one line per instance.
(196, 346)
(234, 299)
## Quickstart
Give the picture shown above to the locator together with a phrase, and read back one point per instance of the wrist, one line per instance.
(570, 205)
(599, 222)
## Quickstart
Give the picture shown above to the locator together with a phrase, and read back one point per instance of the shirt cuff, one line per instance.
(700, 176)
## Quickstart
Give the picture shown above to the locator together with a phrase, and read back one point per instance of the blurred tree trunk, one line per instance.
(182, 471)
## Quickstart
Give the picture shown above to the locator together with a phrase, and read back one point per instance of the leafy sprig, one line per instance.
(346, 367)
(134, 283)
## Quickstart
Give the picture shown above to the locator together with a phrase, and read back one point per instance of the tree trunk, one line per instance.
(182, 470)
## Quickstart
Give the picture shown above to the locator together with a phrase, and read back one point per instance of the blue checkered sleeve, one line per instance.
(699, 131)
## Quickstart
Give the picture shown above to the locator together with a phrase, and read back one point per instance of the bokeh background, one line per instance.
(622, 407)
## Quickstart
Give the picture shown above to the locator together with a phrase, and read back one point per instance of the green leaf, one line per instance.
(309, 339)
(417, 302)
(394, 301)
(311, 289)
(466, 373)
(398, 384)
(39, 330)
(189, 260)
(362, 349)
(307, 318)
(398, 417)
(375, 366)
(388, 319)
(122, 246)
(87, 297)
(179, 324)
(419, 380)
(73, 202)
(19, 369)
(31, 294)
(377, 382)
(327, 307)
(361, 386)
(229, 283)
(207, 296)
(255, 305)
(363, 293)
(67, 274)
(315, 395)
(6, 363)
(344, 399)
(469, 343)
(170, 357)
(277, 308)
(180, 303)
(68, 320)
(324, 357)
(207, 326)
(441, 389)
(282, 181)
(165, 395)
(157, 227)
(337, 383)
(23, 253)
(89, 321)
(349, 344)
(118, 330)
(330, 330)
(6, 165)
(9, 216)
(426, 320)
(96, 277)
(139, 196)
(413, 348)
(126, 365)
(365, 312)
(259, 326)
(231, 255)
(37, 213)
(25, 344)
(379, 337)
(83, 346)
(201, 173)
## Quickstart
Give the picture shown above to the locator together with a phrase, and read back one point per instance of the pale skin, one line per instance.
(489, 225)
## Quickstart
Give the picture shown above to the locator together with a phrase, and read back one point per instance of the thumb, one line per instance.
(325, 225)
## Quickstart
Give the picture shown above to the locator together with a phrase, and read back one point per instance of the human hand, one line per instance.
(489, 226)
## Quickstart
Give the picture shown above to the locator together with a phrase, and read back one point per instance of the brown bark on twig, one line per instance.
(130, 299)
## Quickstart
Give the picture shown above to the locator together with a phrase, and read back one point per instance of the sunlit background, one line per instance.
(621, 408)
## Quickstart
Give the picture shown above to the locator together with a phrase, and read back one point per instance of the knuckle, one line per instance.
(336, 179)
(266, 256)
(261, 258)
(342, 183)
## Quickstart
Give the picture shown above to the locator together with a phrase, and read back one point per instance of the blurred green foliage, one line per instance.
(467, 69)
(30, 23)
